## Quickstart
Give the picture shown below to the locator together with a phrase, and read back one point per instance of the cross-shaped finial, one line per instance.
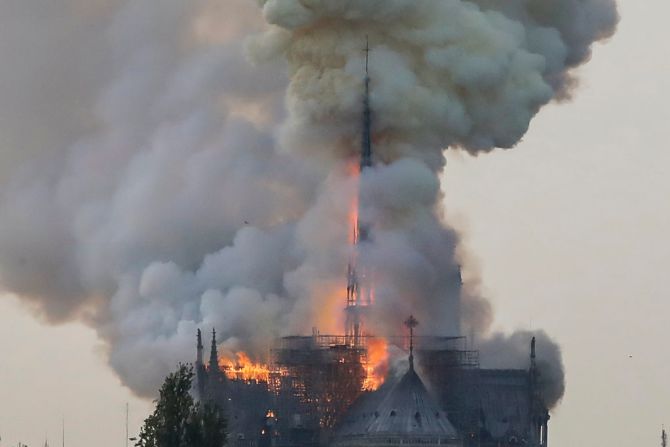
(411, 323)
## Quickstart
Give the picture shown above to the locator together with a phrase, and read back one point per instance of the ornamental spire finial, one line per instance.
(411, 323)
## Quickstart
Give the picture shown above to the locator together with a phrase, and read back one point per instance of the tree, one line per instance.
(179, 421)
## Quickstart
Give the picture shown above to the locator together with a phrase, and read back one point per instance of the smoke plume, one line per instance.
(169, 165)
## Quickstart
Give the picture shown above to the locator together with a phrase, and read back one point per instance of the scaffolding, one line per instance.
(320, 376)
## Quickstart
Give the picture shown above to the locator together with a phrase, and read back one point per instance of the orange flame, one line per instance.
(377, 364)
(353, 170)
(244, 369)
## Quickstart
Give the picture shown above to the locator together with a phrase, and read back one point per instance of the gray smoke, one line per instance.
(510, 351)
(154, 180)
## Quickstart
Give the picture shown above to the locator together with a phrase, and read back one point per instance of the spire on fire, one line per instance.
(359, 296)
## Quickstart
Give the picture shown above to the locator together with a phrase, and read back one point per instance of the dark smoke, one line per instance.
(155, 181)
(510, 351)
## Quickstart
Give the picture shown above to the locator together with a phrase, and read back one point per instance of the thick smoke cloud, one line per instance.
(501, 351)
(446, 72)
(155, 180)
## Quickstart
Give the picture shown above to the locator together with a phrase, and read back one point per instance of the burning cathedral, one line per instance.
(343, 390)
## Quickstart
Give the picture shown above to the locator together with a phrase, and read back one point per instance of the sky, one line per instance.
(568, 232)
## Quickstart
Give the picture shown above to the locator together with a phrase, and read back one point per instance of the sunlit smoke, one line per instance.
(154, 180)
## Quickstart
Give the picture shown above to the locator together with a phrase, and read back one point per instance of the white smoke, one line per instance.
(156, 181)
(445, 72)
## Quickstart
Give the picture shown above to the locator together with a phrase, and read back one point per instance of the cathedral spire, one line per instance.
(199, 348)
(359, 291)
(366, 143)
(532, 353)
(411, 323)
(214, 354)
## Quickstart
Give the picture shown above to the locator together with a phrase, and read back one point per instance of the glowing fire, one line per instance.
(244, 369)
(377, 364)
(329, 318)
(353, 170)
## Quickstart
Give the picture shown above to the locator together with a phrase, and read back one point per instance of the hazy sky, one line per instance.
(570, 233)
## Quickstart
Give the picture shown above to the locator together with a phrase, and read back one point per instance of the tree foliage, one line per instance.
(180, 421)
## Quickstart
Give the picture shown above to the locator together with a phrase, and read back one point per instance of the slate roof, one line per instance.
(402, 410)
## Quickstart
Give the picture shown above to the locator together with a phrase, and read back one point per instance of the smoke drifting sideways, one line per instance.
(170, 165)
